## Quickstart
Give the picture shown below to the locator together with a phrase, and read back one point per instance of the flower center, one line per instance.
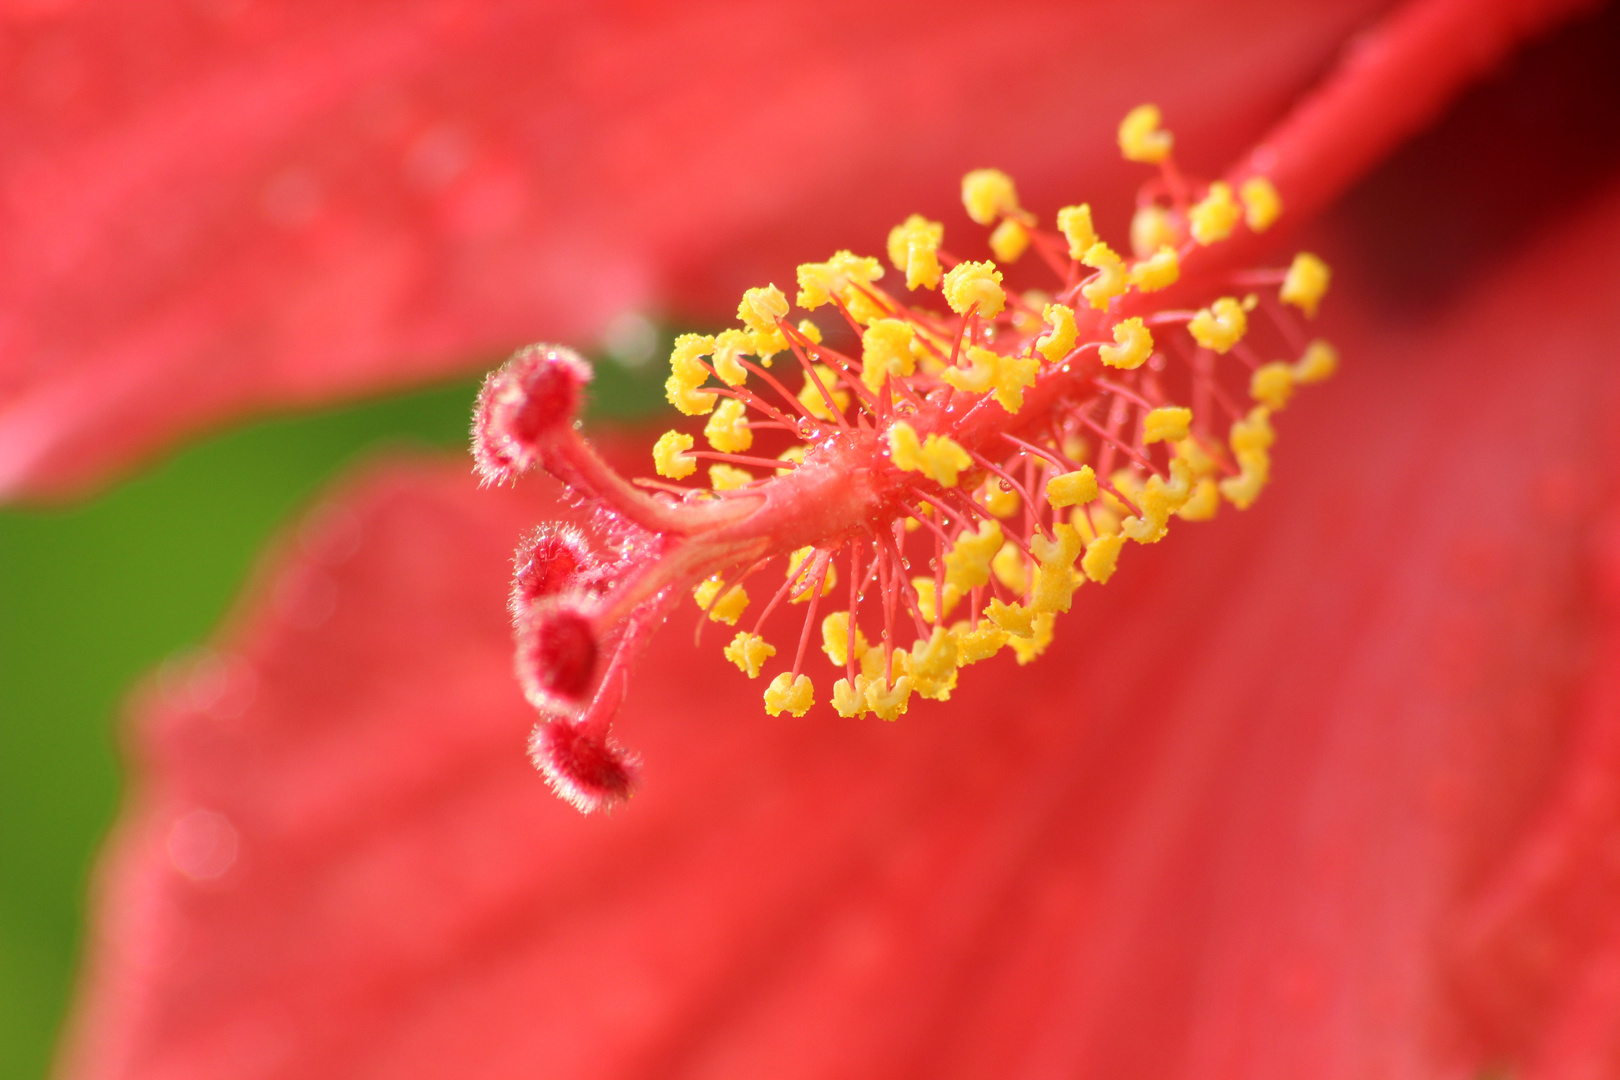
(937, 493)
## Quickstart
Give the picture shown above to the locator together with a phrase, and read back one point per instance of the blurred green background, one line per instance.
(94, 594)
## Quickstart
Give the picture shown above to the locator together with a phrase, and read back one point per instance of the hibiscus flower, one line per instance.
(1326, 791)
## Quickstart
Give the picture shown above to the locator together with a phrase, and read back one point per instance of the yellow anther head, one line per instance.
(1160, 271)
(980, 643)
(939, 457)
(1166, 424)
(1272, 384)
(1202, 504)
(814, 401)
(1072, 488)
(727, 608)
(1111, 279)
(670, 457)
(843, 276)
(835, 638)
(924, 588)
(1213, 218)
(1014, 375)
(801, 570)
(1134, 344)
(988, 194)
(1102, 557)
(1055, 583)
(748, 652)
(913, 249)
(687, 373)
(1306, 283)
(975, 285)
(1011, 567)
(1141, 138)
(886, 350)
(729, 347)
(728, 477)
(849, 700)
(1075, 224)
(760, 308)
(728, 430)
(1261, 203)
(984, 368)
(1320, 361)
(1028, 649)
(1013, 619)
(1151, 229)
(787, 694)
(1220, 326)
(933, 665)
(1057, 344)
(1009, 241)
(888, 703)
(967, 563)
(1158, 500)
(997, 499)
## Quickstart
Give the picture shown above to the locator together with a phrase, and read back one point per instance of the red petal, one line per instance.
(1323, 789)
(216, 207)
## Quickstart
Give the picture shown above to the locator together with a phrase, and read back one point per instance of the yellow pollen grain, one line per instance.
(975, 285)
(1152, 228)
(842, 275)
(787, 694)
(728, 430)
(1134, 344)
(1159, 499)
(1101, 558)
(1060, 342)
(939, 457)
(748, 652)
(687, 373)
(1320, 361)
(810, 330)
(967, 563)
(728, 477)
(885, 351)
(1075, 224)
(988, 194)
(1141, 138)
(1160, 271)
(1306, 283)
(1055, 580)
(1072, 488)
(1213, 218)
(1168, 423)
(1008, 242)
(933, 665)
(670, 457)
(1272, 384)
(1261, 203)
(1220, 326)
(1111, 279)
(728, 608)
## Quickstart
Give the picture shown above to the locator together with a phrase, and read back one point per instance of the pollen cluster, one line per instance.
(942, 461)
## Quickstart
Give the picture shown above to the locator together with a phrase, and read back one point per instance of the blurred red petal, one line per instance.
(215, 206)
(1325, 789)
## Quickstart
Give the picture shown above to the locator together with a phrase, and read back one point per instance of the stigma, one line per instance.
(937, 489)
